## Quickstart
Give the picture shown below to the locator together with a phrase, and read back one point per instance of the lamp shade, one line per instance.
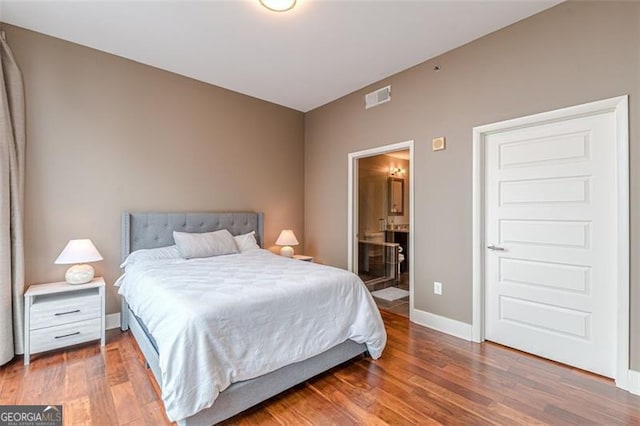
(287, 238)
(78, 251)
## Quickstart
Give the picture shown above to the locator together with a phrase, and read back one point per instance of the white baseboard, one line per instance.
(443, 324)
(113, 321)
(634, 382)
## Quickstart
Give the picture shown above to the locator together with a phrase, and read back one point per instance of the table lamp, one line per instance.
(287, 239)
(79, 253)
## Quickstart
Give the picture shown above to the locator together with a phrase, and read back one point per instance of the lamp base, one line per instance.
(79, 274)
(286, 251)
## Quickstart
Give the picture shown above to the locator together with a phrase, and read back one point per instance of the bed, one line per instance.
(154, 230)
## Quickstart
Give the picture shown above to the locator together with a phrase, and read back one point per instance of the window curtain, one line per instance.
(12, 157)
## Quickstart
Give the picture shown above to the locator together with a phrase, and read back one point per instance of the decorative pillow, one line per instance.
(169, 252)
(247, 242)
(206, 244)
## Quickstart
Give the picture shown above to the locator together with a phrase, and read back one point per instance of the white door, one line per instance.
(550, 212)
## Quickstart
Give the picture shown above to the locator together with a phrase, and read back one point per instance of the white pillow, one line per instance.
(169, 252)
(247, 242)
(205, 244)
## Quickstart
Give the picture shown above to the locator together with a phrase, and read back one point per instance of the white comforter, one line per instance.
(230, 318)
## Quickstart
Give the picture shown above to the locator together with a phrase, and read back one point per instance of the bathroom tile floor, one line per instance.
(400, 306)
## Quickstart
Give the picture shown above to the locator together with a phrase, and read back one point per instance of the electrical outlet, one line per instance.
(437, 288)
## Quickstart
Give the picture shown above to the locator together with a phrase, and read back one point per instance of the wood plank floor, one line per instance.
(424, 377)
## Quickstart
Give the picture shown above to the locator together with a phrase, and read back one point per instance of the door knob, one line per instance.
(495, 248)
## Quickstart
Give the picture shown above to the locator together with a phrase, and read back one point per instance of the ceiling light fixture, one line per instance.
(278, 5)
(395, 171)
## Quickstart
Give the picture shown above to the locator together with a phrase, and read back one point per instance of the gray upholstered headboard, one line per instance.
(151, 230)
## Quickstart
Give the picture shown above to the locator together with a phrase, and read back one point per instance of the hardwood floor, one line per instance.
(424, 377)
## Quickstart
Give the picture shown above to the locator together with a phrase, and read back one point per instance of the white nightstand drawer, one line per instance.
(55, 312)
(49, 338)
(60, 314)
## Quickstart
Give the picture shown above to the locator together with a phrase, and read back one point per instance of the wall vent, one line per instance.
(377, 97)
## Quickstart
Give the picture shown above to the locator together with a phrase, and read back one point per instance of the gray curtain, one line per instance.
(12, 153)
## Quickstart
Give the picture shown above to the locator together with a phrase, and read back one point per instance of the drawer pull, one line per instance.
(67, 313)
(68, 335)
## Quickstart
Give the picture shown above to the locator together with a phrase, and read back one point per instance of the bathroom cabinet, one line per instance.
(401, 237)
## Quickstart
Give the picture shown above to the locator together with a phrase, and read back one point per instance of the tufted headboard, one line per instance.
(151, 230)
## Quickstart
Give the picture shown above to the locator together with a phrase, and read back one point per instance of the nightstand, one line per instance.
(303, 257)
(57, 315)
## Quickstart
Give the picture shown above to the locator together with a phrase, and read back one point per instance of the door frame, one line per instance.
(352, 211)
(620, 107)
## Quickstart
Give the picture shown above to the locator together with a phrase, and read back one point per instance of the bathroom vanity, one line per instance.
(401, 237)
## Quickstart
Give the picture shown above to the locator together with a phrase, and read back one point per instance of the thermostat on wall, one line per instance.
(438, 144)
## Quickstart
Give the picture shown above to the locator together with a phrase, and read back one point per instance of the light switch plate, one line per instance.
(437, 288)
(438, 144)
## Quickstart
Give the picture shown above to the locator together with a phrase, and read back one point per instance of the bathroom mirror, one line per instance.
(395, 196)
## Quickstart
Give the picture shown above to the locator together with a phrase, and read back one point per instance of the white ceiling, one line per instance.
(302, 59)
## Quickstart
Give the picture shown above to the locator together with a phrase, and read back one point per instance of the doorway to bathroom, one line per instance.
(380, 224)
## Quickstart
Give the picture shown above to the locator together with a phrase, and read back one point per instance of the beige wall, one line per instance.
(571, 54)
(105, 134)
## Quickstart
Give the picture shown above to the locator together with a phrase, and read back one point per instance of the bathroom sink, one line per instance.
(404, 228)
